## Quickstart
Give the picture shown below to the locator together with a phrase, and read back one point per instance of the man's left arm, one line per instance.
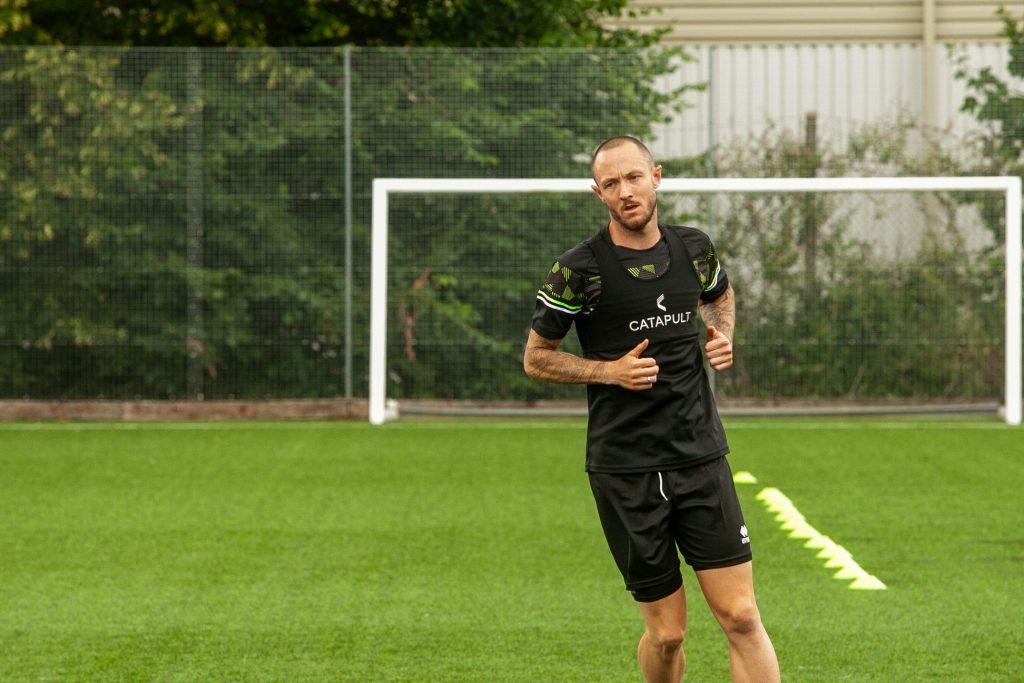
(720, 317)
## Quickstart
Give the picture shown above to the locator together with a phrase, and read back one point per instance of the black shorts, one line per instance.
(646, 516)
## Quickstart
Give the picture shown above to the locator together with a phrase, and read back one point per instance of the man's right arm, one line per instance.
(543, 361)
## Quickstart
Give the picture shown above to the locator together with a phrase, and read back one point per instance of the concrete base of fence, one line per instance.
(727, 407)
(357, 409)
(284, 409)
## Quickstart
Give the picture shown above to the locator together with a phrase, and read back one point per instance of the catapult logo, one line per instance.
(660, 320)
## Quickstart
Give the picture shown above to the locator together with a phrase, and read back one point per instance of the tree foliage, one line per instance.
(849, 296)
(168, 209)
(293, 23)
(998, 105)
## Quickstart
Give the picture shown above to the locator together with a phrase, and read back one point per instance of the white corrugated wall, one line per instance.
(752, 21)
(750, 87)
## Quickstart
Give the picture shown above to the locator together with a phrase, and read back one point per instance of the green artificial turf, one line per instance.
(471, 551)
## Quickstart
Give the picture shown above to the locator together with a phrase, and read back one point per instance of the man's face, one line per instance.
(626, 182)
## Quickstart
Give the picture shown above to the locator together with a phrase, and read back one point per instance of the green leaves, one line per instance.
(194, 199)
(315, 23)
(1000, 104)
(189, 204)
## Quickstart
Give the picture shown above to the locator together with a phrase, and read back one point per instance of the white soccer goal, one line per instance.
(1009, 186)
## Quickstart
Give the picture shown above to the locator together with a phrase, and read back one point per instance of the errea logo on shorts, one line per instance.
(744, 536)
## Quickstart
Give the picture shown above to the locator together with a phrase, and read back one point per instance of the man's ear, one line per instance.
(656, 176)
(597, 190)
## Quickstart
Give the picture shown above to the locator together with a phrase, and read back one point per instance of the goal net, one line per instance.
(853, 294)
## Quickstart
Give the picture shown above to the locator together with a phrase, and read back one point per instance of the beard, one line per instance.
(635, 224)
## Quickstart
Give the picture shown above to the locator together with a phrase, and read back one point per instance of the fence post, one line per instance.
(712, 168)
(810, 228)
(194, 224)
(348, 221)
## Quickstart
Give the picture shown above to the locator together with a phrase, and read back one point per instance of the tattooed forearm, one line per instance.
(563, 368)
(543, 362)
(721, 313)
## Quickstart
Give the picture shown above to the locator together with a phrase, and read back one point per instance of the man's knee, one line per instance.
(666, 639)
(740, 619)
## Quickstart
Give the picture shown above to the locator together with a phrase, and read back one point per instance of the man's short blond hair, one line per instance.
(618, 141)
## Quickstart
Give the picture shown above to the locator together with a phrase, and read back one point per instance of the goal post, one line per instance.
(383, 188)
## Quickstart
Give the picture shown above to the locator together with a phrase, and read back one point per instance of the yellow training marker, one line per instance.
(836, 556)
(744, 478)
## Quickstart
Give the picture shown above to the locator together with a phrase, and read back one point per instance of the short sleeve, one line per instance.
(571, 289)
(713, 279)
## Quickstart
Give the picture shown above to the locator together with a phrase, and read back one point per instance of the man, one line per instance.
(655, 445)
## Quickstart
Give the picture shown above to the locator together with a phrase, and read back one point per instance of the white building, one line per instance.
(850, 62)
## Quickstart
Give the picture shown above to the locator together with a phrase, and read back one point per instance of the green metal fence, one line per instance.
(184, 223)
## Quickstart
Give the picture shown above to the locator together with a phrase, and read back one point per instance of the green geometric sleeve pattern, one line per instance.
(567, 291)
(712, 280)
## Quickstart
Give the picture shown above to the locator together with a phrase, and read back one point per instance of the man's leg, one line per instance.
(660, 651)
(730, 595)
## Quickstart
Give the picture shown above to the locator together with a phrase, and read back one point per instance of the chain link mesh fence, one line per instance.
(183, 223)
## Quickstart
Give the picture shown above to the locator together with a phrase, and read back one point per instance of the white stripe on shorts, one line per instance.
(661, 486)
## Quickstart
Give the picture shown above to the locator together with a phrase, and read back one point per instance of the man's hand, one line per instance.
(633, 372)
(543, 361)
(719, 349)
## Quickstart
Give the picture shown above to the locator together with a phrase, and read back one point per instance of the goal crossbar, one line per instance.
(1010, 186)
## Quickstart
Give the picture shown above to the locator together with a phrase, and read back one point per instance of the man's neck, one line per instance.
(635, 239)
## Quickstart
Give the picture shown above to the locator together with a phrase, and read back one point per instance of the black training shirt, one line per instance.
(618, 297)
